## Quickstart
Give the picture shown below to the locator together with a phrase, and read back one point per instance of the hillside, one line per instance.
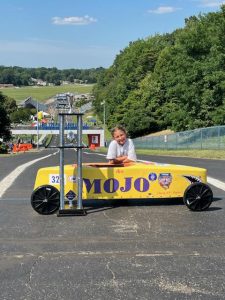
(174, 80)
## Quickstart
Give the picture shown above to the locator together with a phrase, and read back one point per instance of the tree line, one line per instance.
(19, 76)
(9, 113)
(7, 106)
(175, 80)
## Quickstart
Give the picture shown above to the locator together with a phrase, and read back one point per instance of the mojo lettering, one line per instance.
(141, 184)
(96, 183)
(112, 185)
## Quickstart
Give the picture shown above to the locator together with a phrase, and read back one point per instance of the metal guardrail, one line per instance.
(202, 138)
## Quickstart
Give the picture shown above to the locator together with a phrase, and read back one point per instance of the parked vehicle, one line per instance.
(125, 181)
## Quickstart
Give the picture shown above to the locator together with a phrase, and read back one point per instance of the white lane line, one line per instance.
(217, 183)
(100, 154)
(8, 180)
(15, 200)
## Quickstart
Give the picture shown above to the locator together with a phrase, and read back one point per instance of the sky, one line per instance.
(84, 34)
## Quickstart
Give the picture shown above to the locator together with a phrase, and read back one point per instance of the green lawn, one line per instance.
(44, 93)
(209, 154)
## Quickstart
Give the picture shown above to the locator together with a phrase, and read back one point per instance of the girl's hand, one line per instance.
(119, 160)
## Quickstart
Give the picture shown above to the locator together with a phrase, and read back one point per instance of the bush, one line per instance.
(3, 148)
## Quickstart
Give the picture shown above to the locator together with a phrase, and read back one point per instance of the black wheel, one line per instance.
(45, 199)
(198, 196)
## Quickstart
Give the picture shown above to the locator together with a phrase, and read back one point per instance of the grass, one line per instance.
(44, 93)
(208, 154)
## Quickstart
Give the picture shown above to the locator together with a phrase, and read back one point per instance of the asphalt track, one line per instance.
(132, 250)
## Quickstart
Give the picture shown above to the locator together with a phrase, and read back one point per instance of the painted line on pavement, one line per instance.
(15, 199)
(100, 154)
(217, 183)
(9, 179)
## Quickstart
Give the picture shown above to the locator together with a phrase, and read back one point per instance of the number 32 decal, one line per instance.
(54, 179)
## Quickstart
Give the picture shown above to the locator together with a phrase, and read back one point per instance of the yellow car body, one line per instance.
(133, 180)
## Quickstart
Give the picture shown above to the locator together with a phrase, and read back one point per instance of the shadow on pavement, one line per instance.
(92, 206)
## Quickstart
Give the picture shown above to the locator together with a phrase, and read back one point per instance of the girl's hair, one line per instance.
(118, 127)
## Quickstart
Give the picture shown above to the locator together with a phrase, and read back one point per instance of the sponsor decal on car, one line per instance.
(192, 178)
(165, 180)
(112, 185)
(70, 195)
(55, 179)
(152, 176)
(72, 178)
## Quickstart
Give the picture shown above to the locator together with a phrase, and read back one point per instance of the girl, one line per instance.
(121, 149)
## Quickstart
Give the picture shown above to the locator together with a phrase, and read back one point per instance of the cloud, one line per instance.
(73, 20)
(211, 3)
(163, 10)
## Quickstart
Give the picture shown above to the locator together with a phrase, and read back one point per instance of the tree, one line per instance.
(116, 84)
(10, 105)
(22, 76)
(4, 119)
(20, 115)
(172, 81)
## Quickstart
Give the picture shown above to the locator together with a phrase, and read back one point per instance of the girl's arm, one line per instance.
(119, 160)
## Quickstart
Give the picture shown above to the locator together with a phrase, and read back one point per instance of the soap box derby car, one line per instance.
(126, 181)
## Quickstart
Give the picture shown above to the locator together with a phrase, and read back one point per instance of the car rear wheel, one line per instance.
(45, 200)
(198, 196)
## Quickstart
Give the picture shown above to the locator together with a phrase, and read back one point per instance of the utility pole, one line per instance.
(37, 128)
(104, 120)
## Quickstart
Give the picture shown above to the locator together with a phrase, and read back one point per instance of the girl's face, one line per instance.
(120, 136)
